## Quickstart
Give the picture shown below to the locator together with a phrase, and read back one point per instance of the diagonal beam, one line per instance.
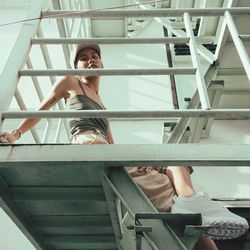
(9, 77)
(22, 221)
(238, 43)
(162, 236)
(62, 32)
(200, 82)
(204, 52)
(181, 126)
(223, 33)
(113, 210)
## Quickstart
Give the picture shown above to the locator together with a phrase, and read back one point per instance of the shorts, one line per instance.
(155, 185)
(90, 137)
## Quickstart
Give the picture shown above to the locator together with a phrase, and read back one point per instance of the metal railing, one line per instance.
(67, 31)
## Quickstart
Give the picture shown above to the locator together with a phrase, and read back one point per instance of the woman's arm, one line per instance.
(58, 91)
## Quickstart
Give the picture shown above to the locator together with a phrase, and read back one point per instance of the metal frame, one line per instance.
(59, 14)
(201, 85)
(108, 72)
(206, 54)
(228, 114)
(9, 77)
(183, 123)
(116, 182)
(18, 218)
(162, 236)
(131, 154)
(238, 43)
(164, 40)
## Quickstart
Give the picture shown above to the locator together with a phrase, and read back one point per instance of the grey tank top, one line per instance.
(83, 102)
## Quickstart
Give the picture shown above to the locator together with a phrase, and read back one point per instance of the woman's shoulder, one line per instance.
(66, 82)
(68, 79)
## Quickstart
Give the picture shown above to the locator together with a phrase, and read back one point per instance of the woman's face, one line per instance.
(88, 59)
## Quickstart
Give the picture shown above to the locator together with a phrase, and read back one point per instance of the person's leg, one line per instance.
(218, 222)
(180, 177)
(205, 243)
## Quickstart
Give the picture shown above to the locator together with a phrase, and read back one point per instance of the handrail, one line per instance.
(165, 12)
(232, 114)
(108, 72)
(149, 40)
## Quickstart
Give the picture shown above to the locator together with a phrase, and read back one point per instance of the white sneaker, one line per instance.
(218, 221)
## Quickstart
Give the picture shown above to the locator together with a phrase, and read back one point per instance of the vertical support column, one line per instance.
(238, 43)
(201, 86)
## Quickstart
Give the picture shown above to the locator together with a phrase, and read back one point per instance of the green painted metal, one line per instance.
(113, 210)
(68, 205)
(162, 234)
(58, 205)
(82, 163)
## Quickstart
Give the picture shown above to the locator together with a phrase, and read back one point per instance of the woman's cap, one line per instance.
(82, 46)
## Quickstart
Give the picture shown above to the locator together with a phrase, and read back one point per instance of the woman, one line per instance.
(82, 92)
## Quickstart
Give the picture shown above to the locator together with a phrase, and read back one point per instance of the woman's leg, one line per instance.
(205, 243)
(218, 221)
(180, 177)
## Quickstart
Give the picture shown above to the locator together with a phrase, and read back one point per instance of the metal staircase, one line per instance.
(65, 196)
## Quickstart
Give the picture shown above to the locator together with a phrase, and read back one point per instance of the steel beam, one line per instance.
(162, 235)
(108, 72)
(71, 221)
(167, 12)
(226, 114)
(204, 52)
(148, 40)
(112, 202)
(180, 128)
(21, 220)
(201, 85)
(126, 155)
(222, 32)
(244, 37)
(63, 33)
(238, 43)
(57, 193)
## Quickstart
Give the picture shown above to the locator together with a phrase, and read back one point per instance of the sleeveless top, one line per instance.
(83, 102)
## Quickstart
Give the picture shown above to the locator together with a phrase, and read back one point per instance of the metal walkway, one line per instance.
(80, 203)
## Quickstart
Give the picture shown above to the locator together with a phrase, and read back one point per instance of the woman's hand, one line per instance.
(6, 137)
